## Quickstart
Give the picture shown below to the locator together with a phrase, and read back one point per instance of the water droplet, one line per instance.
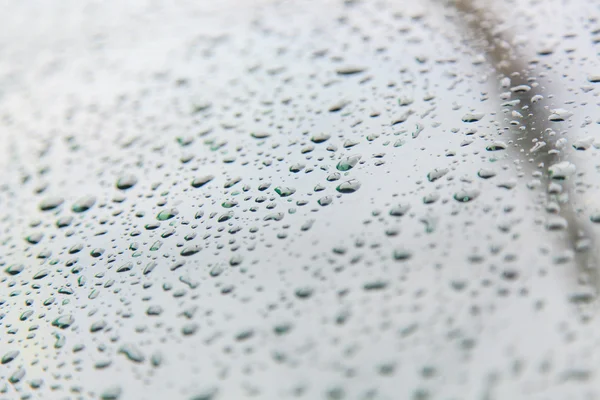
(41, 274)
(225, 217)
(333, 177)
(559, 114)
(98, 326)
(339, 106)
(402, 254)
(125, 267)
(285, 191)
(431, 198)
(583, 144)
(244, 335)
(201, 181)
(83, 204)
(537, 146)
(154, 311)
(217, 270)
(436, 174)
(325, 201)
(17, 376)
(593, 78)
(350, 186)
(350, 70)
(556, 223)
(232, 182)
(260, 135)
(496, 146)
(466, 195)
(304, 292)
(400, 210)
(486, 173)
(97, 253)
(206, 394)
(229, 204)
(348, 163)
(64, 221)
(472, 117)
(375, 285)
(561, 170)
(520, 89)
(274, 217)
(320, 138)
(132, 353)
(191, 250)
(112, 393)
(348, 143)
(50, 203)
(126, 182)
(9, 356)
(296, 168)
(64, 321)
(167, 214)
(35, 238)
(14, 269)
(156, 360)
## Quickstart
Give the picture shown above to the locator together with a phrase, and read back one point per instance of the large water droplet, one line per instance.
(83, 204)
(9, 356)
(201, 181)
(347, 163)
(63, 322)
(126, 182)
(350, 186)
(285, 191)
(561, 170)
(167, 214)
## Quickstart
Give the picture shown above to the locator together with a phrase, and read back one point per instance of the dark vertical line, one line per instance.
(507, 62)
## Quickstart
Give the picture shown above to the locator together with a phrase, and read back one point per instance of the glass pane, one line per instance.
(299, 199)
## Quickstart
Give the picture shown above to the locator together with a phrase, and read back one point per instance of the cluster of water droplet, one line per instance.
(317, 207)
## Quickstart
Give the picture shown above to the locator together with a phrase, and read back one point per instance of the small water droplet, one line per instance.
(132, 353)
(304, 292)
(436, 174)
(466, 195)
(50, 203)
(325, 201)
(472, 117)
(399, 210)
(260, 135)
(350, 70)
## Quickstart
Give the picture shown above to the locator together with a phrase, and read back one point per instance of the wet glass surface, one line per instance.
(299, 199)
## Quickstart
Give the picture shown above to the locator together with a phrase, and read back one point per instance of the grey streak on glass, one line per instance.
(480, 21)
